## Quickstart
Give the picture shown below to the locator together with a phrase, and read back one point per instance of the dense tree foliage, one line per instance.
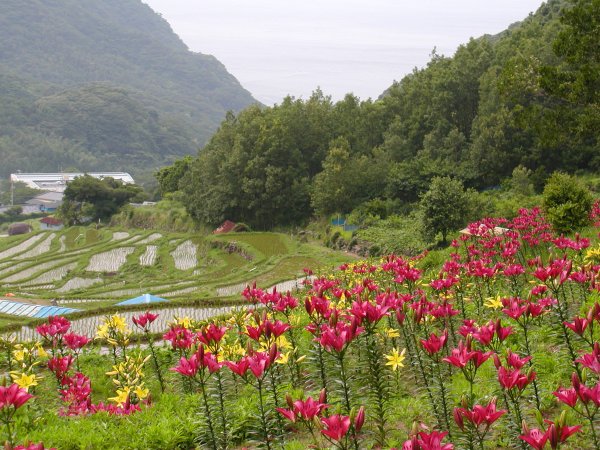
(259, 166)
(513, 107)
(169, 177)
(88, 198)
(103, 85)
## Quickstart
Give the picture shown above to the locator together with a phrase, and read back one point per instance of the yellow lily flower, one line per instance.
(283, 358)
(141, 392)
(24, 381)
(392, 333)
(40, 350)
(19, 354)
(493, 302)
(185, 322)
(122, 395)
(395, 359)
(118, 322)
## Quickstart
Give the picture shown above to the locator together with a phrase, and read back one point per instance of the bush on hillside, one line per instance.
(567, 203)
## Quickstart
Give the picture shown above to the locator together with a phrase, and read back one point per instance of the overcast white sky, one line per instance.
(280, 47)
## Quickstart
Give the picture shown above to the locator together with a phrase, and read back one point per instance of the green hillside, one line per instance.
(96, 84)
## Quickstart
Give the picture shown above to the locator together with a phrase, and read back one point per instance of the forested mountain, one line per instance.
(526, 97)
(103, 84)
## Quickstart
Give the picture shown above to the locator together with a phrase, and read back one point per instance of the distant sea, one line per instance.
(281, 47)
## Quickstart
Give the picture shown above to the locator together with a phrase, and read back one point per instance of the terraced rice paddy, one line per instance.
(153, 237)
(39, 249)
(149, 257)
(30, 271)
(185, 256)
(20, 247)
(11, 267)
(98, 267)
(52, 275)
(63, 245)
(110, 261)
(78, 283)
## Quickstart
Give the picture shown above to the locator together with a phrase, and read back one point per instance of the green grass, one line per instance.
(269, 244)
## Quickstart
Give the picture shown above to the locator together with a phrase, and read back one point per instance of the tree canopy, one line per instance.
(91, 199)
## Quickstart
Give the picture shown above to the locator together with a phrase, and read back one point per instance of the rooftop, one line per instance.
(57, 182)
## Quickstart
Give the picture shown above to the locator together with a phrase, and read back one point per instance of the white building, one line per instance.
(57, 182)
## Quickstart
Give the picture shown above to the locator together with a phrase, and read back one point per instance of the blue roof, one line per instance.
(48, 311)
(31, 310)
(145, 298)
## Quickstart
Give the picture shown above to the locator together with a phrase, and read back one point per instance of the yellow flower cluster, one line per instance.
(128, 377)
(27, 358)
(114, 330)
(592, 255)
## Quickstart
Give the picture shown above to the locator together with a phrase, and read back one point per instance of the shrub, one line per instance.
(567, 203)
(445, 207)
(241, 227)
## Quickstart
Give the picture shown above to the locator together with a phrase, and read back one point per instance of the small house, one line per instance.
(225, 227)
(51, 223)
(47, 202)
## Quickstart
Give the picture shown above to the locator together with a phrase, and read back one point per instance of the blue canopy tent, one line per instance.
(142, 299)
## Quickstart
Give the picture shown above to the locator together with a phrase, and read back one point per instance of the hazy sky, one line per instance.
(280, 47)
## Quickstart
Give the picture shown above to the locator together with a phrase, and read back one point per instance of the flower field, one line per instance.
(490, 344)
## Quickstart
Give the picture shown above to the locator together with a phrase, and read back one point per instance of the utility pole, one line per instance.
(12, 192)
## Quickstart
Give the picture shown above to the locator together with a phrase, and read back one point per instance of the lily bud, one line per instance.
(458, 419)
(497, 362)
(553, 437)
(464, 402)
(273, 353)
(323, 396)
(289, 401)
(308, 306)
(317, 422)
(360, 419)
(562, 420)
(334, 318)
(415, 429)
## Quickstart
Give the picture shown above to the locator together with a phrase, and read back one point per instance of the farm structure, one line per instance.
(57, 182)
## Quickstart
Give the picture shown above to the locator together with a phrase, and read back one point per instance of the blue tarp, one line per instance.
(31, 310)
(145, 298)
(47, 311)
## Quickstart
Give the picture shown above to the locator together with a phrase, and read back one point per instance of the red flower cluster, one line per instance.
(427, 441)
(180, 337)
(555, 434)
(257, 363)
(56, 327)
(478, 415)
(143, 321)
(304, 409)
(189, 367)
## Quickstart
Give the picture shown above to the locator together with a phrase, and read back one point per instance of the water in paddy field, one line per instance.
(88, 325)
